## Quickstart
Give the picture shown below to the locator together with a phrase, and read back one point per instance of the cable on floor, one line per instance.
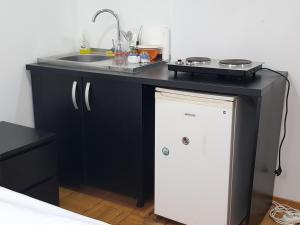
(284, 214)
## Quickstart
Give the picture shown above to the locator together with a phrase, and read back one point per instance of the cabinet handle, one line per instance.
(74, 90)
(87, 96)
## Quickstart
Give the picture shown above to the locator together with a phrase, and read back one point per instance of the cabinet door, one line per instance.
(113, 129)
(58, 108)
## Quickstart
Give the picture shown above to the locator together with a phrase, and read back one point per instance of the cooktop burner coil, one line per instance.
(198, 59)
(235, 62)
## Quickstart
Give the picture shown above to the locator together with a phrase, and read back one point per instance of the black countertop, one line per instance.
(160, 76)
(15, 139)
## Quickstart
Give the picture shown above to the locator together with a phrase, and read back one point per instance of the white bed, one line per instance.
(18, 209)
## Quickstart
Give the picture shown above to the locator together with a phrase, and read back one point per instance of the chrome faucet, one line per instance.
(115, 15)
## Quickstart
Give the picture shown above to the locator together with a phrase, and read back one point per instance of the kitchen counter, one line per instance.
(160, 76)
(101, 101)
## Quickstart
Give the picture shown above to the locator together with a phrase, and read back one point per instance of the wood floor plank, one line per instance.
(147, 210)
(79, 202)
(117, 209)
(107, 213)
(291, 203)
(133, 220)
(64, 192)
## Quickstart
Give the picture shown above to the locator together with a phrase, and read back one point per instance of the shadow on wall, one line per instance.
(107, 34)
(24, 110)
(98, 34)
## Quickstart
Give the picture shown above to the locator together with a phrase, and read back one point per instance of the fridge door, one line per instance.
(193, 142)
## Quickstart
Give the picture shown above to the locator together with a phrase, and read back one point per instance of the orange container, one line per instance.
(152, 52)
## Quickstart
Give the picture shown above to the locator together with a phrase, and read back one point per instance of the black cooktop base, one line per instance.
(198, 71)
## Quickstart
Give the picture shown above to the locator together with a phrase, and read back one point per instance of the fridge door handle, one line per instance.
(74, 90)
(87, 96)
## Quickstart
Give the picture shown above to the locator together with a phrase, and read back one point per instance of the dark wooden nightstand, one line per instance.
(28, 162)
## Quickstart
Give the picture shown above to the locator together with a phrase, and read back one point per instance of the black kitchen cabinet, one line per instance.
(260, 136)
(113, 135)
(101, 130)
(55, 111)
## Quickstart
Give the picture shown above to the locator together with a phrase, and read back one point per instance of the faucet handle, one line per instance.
(127, 35)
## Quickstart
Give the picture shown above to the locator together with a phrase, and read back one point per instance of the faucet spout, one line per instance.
(112, 13)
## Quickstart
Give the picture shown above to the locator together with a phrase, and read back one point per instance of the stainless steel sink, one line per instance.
(98, 61)
(84, 58)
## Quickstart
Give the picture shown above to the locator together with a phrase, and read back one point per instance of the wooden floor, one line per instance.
(117, 209)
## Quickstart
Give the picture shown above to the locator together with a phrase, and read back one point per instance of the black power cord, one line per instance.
(278, 171)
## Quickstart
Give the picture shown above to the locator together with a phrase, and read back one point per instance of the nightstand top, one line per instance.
(16, 139)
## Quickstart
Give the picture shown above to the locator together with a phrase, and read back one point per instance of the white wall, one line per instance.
(29, 29)
(267, 31)
(100, 34)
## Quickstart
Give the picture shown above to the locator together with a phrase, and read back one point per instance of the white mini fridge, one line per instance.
(194, 158)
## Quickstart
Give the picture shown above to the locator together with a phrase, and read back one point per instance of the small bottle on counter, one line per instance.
(84, 46)
(145, 58)
(133, 58)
